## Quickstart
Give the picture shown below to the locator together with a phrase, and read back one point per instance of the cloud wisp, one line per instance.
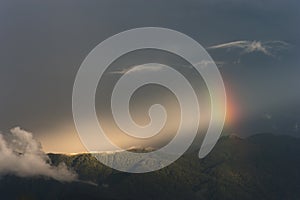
(207, 63)
(139, 68)
(22, 155)
(268, 48)
(153, 67)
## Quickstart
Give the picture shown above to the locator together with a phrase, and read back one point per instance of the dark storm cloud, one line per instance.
(44, 43)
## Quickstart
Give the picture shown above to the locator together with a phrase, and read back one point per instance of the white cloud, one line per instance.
(140, 68)
(267, 48)
(206, 63)
(153, 67)
(22, 155)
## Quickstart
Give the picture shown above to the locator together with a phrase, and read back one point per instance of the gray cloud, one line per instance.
(267, 116)
(22, 155)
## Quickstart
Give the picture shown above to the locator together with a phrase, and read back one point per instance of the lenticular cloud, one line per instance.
(22, 155)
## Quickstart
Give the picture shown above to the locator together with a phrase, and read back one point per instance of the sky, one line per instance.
(255, 44)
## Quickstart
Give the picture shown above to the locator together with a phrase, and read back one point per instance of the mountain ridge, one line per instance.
(264, 166)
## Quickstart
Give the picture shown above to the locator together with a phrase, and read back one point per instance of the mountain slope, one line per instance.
(263, 166)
